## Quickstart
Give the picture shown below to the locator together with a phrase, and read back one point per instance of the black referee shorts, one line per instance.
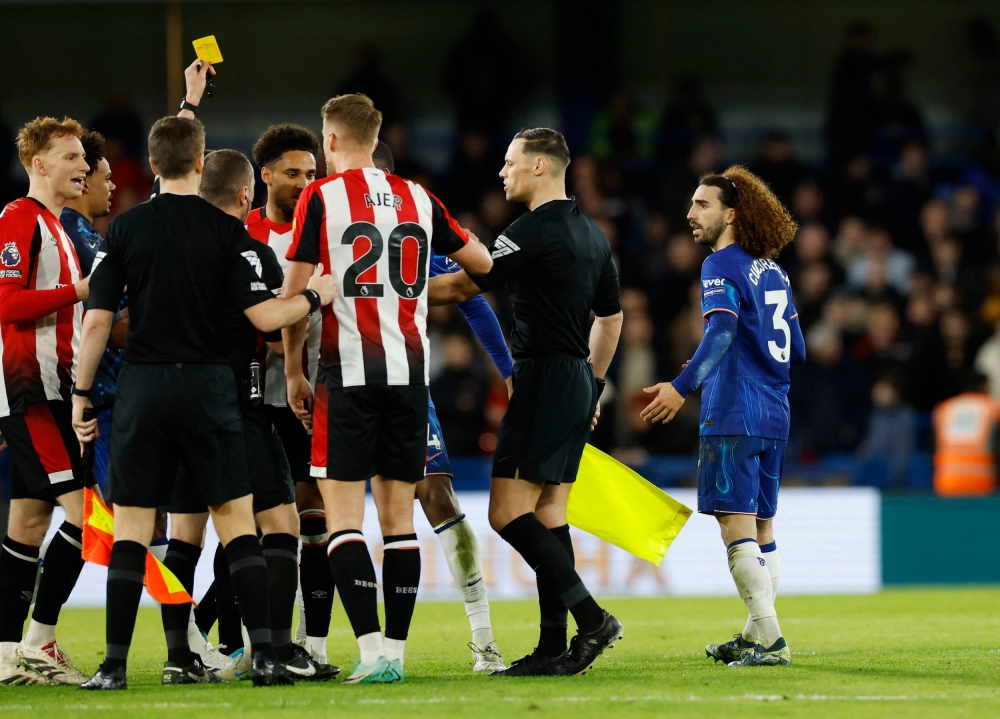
(44, 452)
(359, 432)
(547, 424)
(176, 416)
(295, 439)
(270, 477)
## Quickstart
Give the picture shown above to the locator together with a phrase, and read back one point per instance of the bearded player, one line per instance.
(752, 338)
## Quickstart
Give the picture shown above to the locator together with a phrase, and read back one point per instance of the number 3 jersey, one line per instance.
(374, 233)
(746, 393)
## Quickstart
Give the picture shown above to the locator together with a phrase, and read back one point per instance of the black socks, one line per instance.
(181, 559)
(248, 573)
(400, 577)
(18, 568)
(230, 628)
(314, 574)
(553, 613)
(206, 613)
(545, 554)
(354, 575)
(60, 570)
(126, 569)
(281, 551)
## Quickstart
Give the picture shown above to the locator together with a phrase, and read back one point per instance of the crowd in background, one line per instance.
(895, 268)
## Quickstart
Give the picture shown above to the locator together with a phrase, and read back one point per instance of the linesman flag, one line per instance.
(614, 503)
(98, 536)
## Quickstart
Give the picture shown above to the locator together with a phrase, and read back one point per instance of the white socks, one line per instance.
(39, 635)
(371, 647)
(394, 649)
(770, 554)
(753, 581)
(461, 550)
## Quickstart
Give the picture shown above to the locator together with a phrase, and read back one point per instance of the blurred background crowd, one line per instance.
(895, 269)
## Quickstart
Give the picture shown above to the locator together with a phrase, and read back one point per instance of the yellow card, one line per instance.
(207, 49)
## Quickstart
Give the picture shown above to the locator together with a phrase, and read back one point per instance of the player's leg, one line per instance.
(184, 664)
(769, 551)
(50, 455)
(315, 579)
(344, 447)
(28, 521)
(461, 548)
(541, 441)
(133, 531)
(736, 493)
(551, 511)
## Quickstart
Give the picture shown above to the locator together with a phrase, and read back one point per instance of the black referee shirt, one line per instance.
(241, 335)
(557, 266)
(183, 261)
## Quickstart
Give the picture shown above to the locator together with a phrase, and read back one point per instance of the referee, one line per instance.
(183, 261)
(557, 266)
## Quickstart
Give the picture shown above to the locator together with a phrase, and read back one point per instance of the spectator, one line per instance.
(368, 77)
(474, 171)
(459, 393)
(966, 442)
(687, 119)
(622, 133)
(778, 166)
(396, 136)
(828, 397)
(906, 193)
(705, 157)
(484, 82)
(892, 431)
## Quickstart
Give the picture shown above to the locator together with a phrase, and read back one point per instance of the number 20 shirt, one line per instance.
(374, 233)
(746, 393)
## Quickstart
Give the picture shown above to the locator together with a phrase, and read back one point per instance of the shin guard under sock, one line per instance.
(545, 554)
(18, 569)
(226, 606)
(553, 613)
(749, 571)
(126, 570)
(206, 613)
(248, 573)
(60, 570)
(354, 576)
(314, 572)
(400, 579)
(281, 551)
(181, 559)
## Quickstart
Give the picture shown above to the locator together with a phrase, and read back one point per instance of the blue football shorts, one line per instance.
(739, 475)
(437, 454)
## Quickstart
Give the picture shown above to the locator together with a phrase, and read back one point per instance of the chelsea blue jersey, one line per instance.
(746, 393)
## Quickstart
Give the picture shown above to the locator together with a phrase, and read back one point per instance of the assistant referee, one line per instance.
(183, 261)
(558, 268)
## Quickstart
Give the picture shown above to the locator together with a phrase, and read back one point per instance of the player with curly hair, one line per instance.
(752, 338)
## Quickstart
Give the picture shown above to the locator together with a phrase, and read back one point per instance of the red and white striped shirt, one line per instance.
(373, 232)
(278, 235)
(40, 316)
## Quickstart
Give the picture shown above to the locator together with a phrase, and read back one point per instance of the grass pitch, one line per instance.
(911, 653)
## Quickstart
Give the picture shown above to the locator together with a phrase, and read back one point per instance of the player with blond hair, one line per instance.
(752, 338)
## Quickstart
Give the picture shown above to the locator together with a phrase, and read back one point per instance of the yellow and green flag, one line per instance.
(613, 502)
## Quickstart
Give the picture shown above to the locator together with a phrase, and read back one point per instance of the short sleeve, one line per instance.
(510, 252)
(719, 288)
(272, 275)
(308, 227)
(246, 281)
(447, 236)
(608, 298)
(107, 274)
(19, 238)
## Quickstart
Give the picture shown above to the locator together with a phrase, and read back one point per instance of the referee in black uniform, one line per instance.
(557, 266)
(183, 261)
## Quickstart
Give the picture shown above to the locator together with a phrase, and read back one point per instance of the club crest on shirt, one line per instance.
(10, 256)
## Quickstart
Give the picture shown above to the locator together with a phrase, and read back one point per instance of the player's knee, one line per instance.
(440, 503)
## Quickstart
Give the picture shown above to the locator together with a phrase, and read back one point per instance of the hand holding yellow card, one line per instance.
(207, 49)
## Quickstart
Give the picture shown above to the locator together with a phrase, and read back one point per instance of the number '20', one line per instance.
(397, 238)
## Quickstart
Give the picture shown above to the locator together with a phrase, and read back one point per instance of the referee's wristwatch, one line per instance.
(185, 105)
(81, 392)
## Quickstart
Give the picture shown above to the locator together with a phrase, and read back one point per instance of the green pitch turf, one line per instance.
(904, 653)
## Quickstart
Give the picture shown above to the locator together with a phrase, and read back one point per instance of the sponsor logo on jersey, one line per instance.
(251, 257)
(10, 255)
(504, 246)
